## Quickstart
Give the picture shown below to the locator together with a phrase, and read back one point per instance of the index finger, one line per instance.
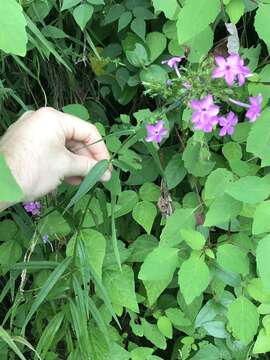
(86, 133)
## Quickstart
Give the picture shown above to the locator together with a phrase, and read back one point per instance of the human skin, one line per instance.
(46, 146)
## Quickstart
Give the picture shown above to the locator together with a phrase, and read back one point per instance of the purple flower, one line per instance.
(32, 207)
(156, 132)
(254, 110)
(173, 63)
(205, 115)
(227, 123)
(230, 69)
(45, 238)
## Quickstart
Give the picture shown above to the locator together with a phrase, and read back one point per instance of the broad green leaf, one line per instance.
(141, 247)
(216, 329)
(95, 245)
(43, 293)
(121, 287)
(175, 171)
(155, 288)
(138, 56)
(209, 352)
(217, 182)
(223, 209)
(8, 230)
(177, 317)
(140, 353)
(165, 326)
(179, 220)
(193, 238)
(77, 110)
(54, 225)
(263, 261)
(138, 25)
(124, 20)
(193, 278)
(258, 141)
(200, 45)
(235, 9)
(261, 19)
(249, 189)
(232, 151)
(261, 218)
(144, 213)
(9, 189)
(67, 4)
(170, 7)
(10, 252)
(156, 43)
(257, 291)
(153, 334)
(89, 181)
(149, 192)
(197, 159)
(154, 74)
(231, 258)
(82, 14)
(96, 2)
(159, 265)
(262, 343)
(202, 14)
(243, 319)
(13, 37)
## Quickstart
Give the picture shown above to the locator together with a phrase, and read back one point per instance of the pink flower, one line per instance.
(254, 110)
(156, 132)
(173, 63)
(227, 123)
(205, 115)
(231, 69)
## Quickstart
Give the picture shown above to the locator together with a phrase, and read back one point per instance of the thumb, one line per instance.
(79, 165)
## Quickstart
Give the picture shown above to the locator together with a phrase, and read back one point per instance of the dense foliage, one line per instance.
(171, 258)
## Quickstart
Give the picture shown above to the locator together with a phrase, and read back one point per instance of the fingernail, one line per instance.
(106, 176)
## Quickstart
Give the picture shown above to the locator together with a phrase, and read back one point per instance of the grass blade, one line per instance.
(10, 342)
(49, 284)
(89, 181)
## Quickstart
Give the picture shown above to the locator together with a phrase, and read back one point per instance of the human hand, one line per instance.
(46, 146)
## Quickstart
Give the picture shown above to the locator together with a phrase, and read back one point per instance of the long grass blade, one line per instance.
(4, 335)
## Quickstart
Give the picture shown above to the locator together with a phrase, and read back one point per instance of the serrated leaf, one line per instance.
(243, 319)
(193, 278)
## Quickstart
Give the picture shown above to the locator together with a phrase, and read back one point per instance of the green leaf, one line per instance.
(10, 252)
(232, 151)
(67, 4)
(149, 192)
(95, 245)
(200, 45)
(170, 7)
(43, 293)
(96, 2)
(54, 225)
(77, 110)
(13, 38)
(263, 260)
(193, 278)
(9, 189)
(231, 258)
(141, 247)
(124, 20)
(159, 265)
(82, 14)
(235, 9)
(223, 209)
(193, 238)
(209, 352)
(144, 213)
(258, 141)
(202, 14)
(177, 317)
(217, 182)
(197, 159)
(4, 335)
(257, 291)
(121, 287)
(243, 319)
(249, 189)
(155, 288)
(138, 56)
(261, 23)
(262, 344)
(156, 43)
(154, 74)
(89, 181)
(8, 230)
(165, 326)
(261, 218)
(152, 333)
(138, 25)
(175, 171)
